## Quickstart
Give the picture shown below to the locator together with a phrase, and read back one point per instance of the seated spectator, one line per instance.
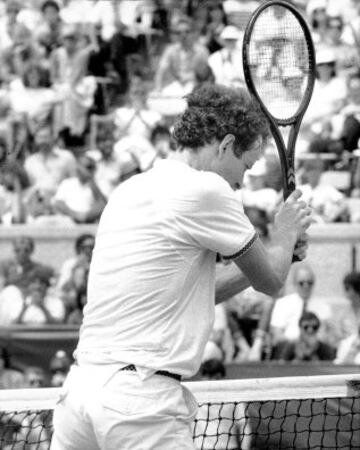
(35, 377)
(328, 204)
(349, 349)
(20, 269)
(287, 311)
(74, 294)
(308, 346)
(347, 56)
(215, 22)
(226, 63)
(8, 22)
(317, 19)
(161, 140)
(135, 118)
(10, 378)
(79, 197)
(108, 164)
(22, 51)
(36, 306)
(32, 97)
(15, 193)
(346, 124)
(48, 34)
(49, 165)
(175, 74)
(329, 94)
(59, 367)
(84, 246)
(212, 369)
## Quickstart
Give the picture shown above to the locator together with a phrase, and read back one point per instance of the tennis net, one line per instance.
(315, 412)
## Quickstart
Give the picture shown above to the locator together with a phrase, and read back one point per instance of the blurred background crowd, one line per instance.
(89, 92)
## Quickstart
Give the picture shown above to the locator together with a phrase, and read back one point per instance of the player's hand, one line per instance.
(294, 216)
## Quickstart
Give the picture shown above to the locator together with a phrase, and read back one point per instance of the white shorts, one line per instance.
(102, 408)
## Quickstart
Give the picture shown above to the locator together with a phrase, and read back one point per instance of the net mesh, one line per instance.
(279, 60)
(325, 422)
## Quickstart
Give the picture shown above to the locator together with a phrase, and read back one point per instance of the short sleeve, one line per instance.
(211, 216)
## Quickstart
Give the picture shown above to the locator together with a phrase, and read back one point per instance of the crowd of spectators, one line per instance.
(89, 91)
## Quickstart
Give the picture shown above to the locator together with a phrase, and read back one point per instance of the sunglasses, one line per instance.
(303, 283)
(310, 327)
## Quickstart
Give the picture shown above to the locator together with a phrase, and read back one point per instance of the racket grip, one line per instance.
(295, 258)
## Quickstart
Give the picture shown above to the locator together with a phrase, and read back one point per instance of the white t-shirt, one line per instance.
(77, 196)
(152, 277)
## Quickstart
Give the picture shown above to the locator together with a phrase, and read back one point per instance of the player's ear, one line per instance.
(227, 144)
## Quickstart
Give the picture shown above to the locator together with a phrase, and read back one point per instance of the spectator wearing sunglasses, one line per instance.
(349, 348)
(308, 346)
(288, 310)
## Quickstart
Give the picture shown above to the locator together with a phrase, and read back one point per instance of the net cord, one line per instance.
(257, 389)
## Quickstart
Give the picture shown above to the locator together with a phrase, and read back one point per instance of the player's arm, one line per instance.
(266, 268)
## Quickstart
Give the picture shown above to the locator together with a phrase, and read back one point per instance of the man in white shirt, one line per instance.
(49, 165)
(151, 290)
(226, 63)
(289, 309)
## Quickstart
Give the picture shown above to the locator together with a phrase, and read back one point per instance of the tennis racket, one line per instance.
(279, 69)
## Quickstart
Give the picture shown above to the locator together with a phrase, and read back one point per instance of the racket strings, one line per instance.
(279, 58)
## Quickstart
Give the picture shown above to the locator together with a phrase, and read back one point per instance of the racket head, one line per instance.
(279, 61)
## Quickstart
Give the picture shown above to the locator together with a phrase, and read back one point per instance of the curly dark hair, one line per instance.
(213, 112)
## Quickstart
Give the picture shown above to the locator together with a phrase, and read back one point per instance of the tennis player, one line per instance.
(152, 277)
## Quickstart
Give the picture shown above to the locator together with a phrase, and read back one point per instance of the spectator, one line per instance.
(329, 94)
(349, 348)
(15, 193)
(36, 306)
(49, 32)
(10, 378)
(329, 204)
(32, 97)
(79, 197)
(108, 164)
(49, 165)
(308, 346)
(226, 63)
(74, 294)
(23, 51)
(19, 270)
(215, 23)
(59, 367)
(346, 124)
(317, 15)
(135, 118)
(84, 246)
(212, 369)
(227, 427)
(8, 23)
(123, 46)
(347, 56)
(69, 67)
(175, 75)
(35, 377)
(287, 311)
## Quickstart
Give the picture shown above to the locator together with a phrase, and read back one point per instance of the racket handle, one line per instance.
(295, 258)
